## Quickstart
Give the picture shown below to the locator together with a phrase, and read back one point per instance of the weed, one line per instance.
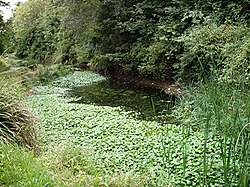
(18, 167)
(221, 110)
(74, 166)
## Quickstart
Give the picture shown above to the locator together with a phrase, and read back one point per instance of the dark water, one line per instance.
(143, 103)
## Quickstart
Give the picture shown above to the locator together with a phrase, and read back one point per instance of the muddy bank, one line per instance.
(166, 86)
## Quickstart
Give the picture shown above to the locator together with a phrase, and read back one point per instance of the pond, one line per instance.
(141, 102)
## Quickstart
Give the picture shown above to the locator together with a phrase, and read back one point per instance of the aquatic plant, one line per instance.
(186, 154)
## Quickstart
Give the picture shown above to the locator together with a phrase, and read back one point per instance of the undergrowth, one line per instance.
(3, 65)
(16, 123)
(18, 165)
(74, 166)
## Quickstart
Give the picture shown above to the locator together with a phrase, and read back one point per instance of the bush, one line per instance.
(216, 50)
(52, 72)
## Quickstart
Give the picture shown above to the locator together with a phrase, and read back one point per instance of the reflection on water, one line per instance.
(149, 104)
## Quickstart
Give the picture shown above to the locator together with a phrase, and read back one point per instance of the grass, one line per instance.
(221, 110)
(3, 65)
(19, 167)
(16, 123)
(74, 166)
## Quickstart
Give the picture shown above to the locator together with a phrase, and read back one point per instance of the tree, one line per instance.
(150, 38)
(2, 28)
(29, 32)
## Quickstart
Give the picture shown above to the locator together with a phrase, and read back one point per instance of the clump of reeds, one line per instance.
(15, 121)
(222, 110)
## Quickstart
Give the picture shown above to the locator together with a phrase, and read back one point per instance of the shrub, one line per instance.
(52, 72)
(212, 49)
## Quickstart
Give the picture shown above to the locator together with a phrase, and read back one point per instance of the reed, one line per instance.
(15, 121)
(222, 111)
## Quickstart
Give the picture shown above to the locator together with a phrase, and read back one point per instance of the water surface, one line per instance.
(144, 103)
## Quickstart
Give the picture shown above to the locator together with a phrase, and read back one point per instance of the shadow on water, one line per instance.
(144, 103)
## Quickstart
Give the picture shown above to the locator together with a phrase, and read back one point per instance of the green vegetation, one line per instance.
(207, 143)
(148, 104)
(184, 40)
(194, 153)
(220, 110)
(73, 166)
(15, 121)
(204, 140)
(6, 32)
(69, 165)
(221, 51)
(19, 167)
(3, 65)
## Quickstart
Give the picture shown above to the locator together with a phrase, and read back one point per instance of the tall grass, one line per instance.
(222, 112)
(74, 166)
(19, 167)
(15, 122)
(231, 108)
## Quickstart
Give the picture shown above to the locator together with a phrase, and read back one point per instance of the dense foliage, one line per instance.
(1, 34)
(47, 31)
(188, 40)
(2, 28)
